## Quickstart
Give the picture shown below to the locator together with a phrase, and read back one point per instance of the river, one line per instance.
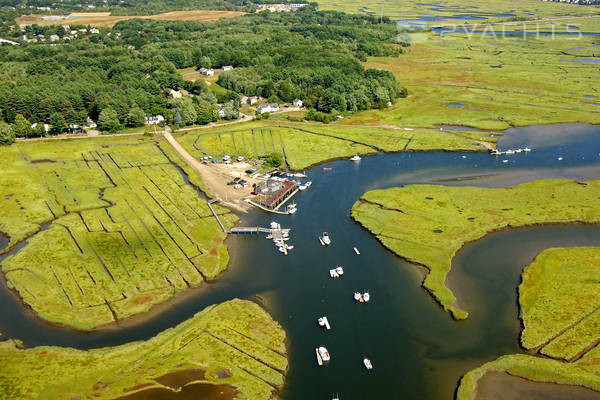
(417, 350)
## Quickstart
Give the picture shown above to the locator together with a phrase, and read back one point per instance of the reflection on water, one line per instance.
(417, 350)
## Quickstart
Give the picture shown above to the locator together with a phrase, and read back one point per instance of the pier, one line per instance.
(277, 233)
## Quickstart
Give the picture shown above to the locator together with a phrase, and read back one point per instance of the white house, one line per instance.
(154, 119)
(94, 30)
(221, 112)
(227, 67)
(207, 71)
(267, 107)
(250, 100)
(46, 127)
(297, 103)
(54, 38)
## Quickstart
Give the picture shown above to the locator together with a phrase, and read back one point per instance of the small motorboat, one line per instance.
(355, 158)
(339, 270)
(300, 175)
(324, 354)
(464, 156)
(560, 158)
(333, 273)
(357, 296)
(366, 297)
(510, 152)
(518, 150)
(307, 184)
(327, 168)
(321, 321)
(291, 208)
(527, 149)
(274, 225)
(367, 363)
(325, 238)
(290, 247)
(504, 161)
(302, 187)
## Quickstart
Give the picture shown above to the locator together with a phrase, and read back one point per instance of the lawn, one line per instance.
(428, 224)
(305, 144)
(112, 228)
(559, 304)
(234, 345)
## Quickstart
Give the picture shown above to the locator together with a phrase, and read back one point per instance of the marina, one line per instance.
(429, 345)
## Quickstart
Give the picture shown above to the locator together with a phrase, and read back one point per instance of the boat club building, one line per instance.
(272, 193)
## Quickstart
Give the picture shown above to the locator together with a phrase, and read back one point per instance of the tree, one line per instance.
(21, 127)
(177, 119)
(206, 112)
(109, 120)
(7, 137)
(135, 117)
(230, 111)
(57, 121)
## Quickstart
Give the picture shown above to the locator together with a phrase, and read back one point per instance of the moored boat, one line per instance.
(356, 157)
(367, 363)
(324, 354)
(326, 239)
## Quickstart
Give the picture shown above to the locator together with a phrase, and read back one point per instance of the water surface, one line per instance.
(417, 350)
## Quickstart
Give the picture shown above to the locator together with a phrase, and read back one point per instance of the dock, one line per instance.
(322, 242)
(356, 251)
(319, 359)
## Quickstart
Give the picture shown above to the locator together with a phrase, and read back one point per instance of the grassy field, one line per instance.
(303, 145)
(112, 228)
(558, 299)
(428, 224)
(105, 20)
(234, 346)
(501, 82)
(560, 307)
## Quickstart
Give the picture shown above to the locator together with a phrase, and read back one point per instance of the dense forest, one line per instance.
(120, 75)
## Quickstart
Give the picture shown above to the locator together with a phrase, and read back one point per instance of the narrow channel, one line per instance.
(417, 350)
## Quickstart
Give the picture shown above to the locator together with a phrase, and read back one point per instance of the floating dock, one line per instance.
(356, 251)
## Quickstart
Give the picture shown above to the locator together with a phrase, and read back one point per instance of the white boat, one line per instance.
(357, 296)
(321, 321)
(367, 363)
(355, 158)
(464, 156)
(307, 184)
(504, 161)
(527, 149)
(302, 187)
(324, 354)
(290, 247)
(291, 208)
(560, 158)
(339, 270)
(366, 297)
(326, 239)
(274, 225)
(333, 273)
(510, 152)
(518, 150)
